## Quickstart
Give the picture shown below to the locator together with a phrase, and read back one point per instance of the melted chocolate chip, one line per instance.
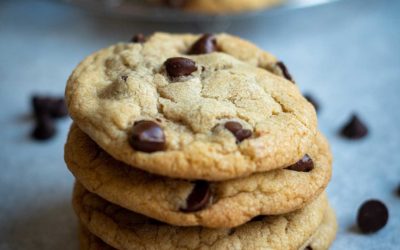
(147, 136)
(138, 38)
(372, 216)
(204, 45)
(312, 100)
(354, 128)
(237, 130)
(180, 66)
(44, 128)
(199, 198)
(233, 126)
(306, 164)
(285, 71)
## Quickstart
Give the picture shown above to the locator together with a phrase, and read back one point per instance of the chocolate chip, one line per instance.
(138, 38)
(58, 108)
(284, 71)
(233, 126)
(180, 66)
(372, 216)
(199, 198)
(147, 136)
(53, 106)
(204, 45)
(237, 130)
(312, 100)
(308, 248)
(306, 164)
(231, 231)
(354, 128)
(44, 128)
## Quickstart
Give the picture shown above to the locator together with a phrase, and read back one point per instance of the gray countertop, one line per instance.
(347, 54)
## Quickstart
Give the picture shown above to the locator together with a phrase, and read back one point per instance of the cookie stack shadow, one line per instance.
(193, 174)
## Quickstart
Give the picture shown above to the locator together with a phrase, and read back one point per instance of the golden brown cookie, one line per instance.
(191, 107)
(124, 229)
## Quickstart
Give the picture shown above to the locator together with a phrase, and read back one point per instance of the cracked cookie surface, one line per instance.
(116, 88)
(123, 229)
(234, 201)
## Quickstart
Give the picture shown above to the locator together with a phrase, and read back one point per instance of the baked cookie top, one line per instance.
(187, 203)
(123, 229)
(194, 107)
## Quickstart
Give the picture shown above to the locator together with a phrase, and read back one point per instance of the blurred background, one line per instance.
(346, 54)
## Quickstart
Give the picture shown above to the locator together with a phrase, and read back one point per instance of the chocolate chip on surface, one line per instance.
(308, 248)
(44, 128)
(372, 216)
(354, 128)
(180, 66)
(284, 71)
(204, 45)
(237, 130)
(58, 108)
(199, 198)
(305, 164)
(147, 136)
(138, 38)
(312, 100)
(53, 106)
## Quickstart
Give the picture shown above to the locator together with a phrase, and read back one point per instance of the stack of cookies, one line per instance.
(195, 142)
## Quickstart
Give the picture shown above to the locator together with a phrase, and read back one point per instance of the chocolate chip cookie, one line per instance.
(211, 107)
(123, 229)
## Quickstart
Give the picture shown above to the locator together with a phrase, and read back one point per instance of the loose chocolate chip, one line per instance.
(138, 38)
(41, 105)
(372, 216)
(285, 71)
(312, 100)
(199, 198)
(58, 108)
(204, 45)
(237, 130)
(180, 66)
(147, 136)
(258, 218)
(306, 164)
(354, 128)
(53, 106)
(44, 128)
